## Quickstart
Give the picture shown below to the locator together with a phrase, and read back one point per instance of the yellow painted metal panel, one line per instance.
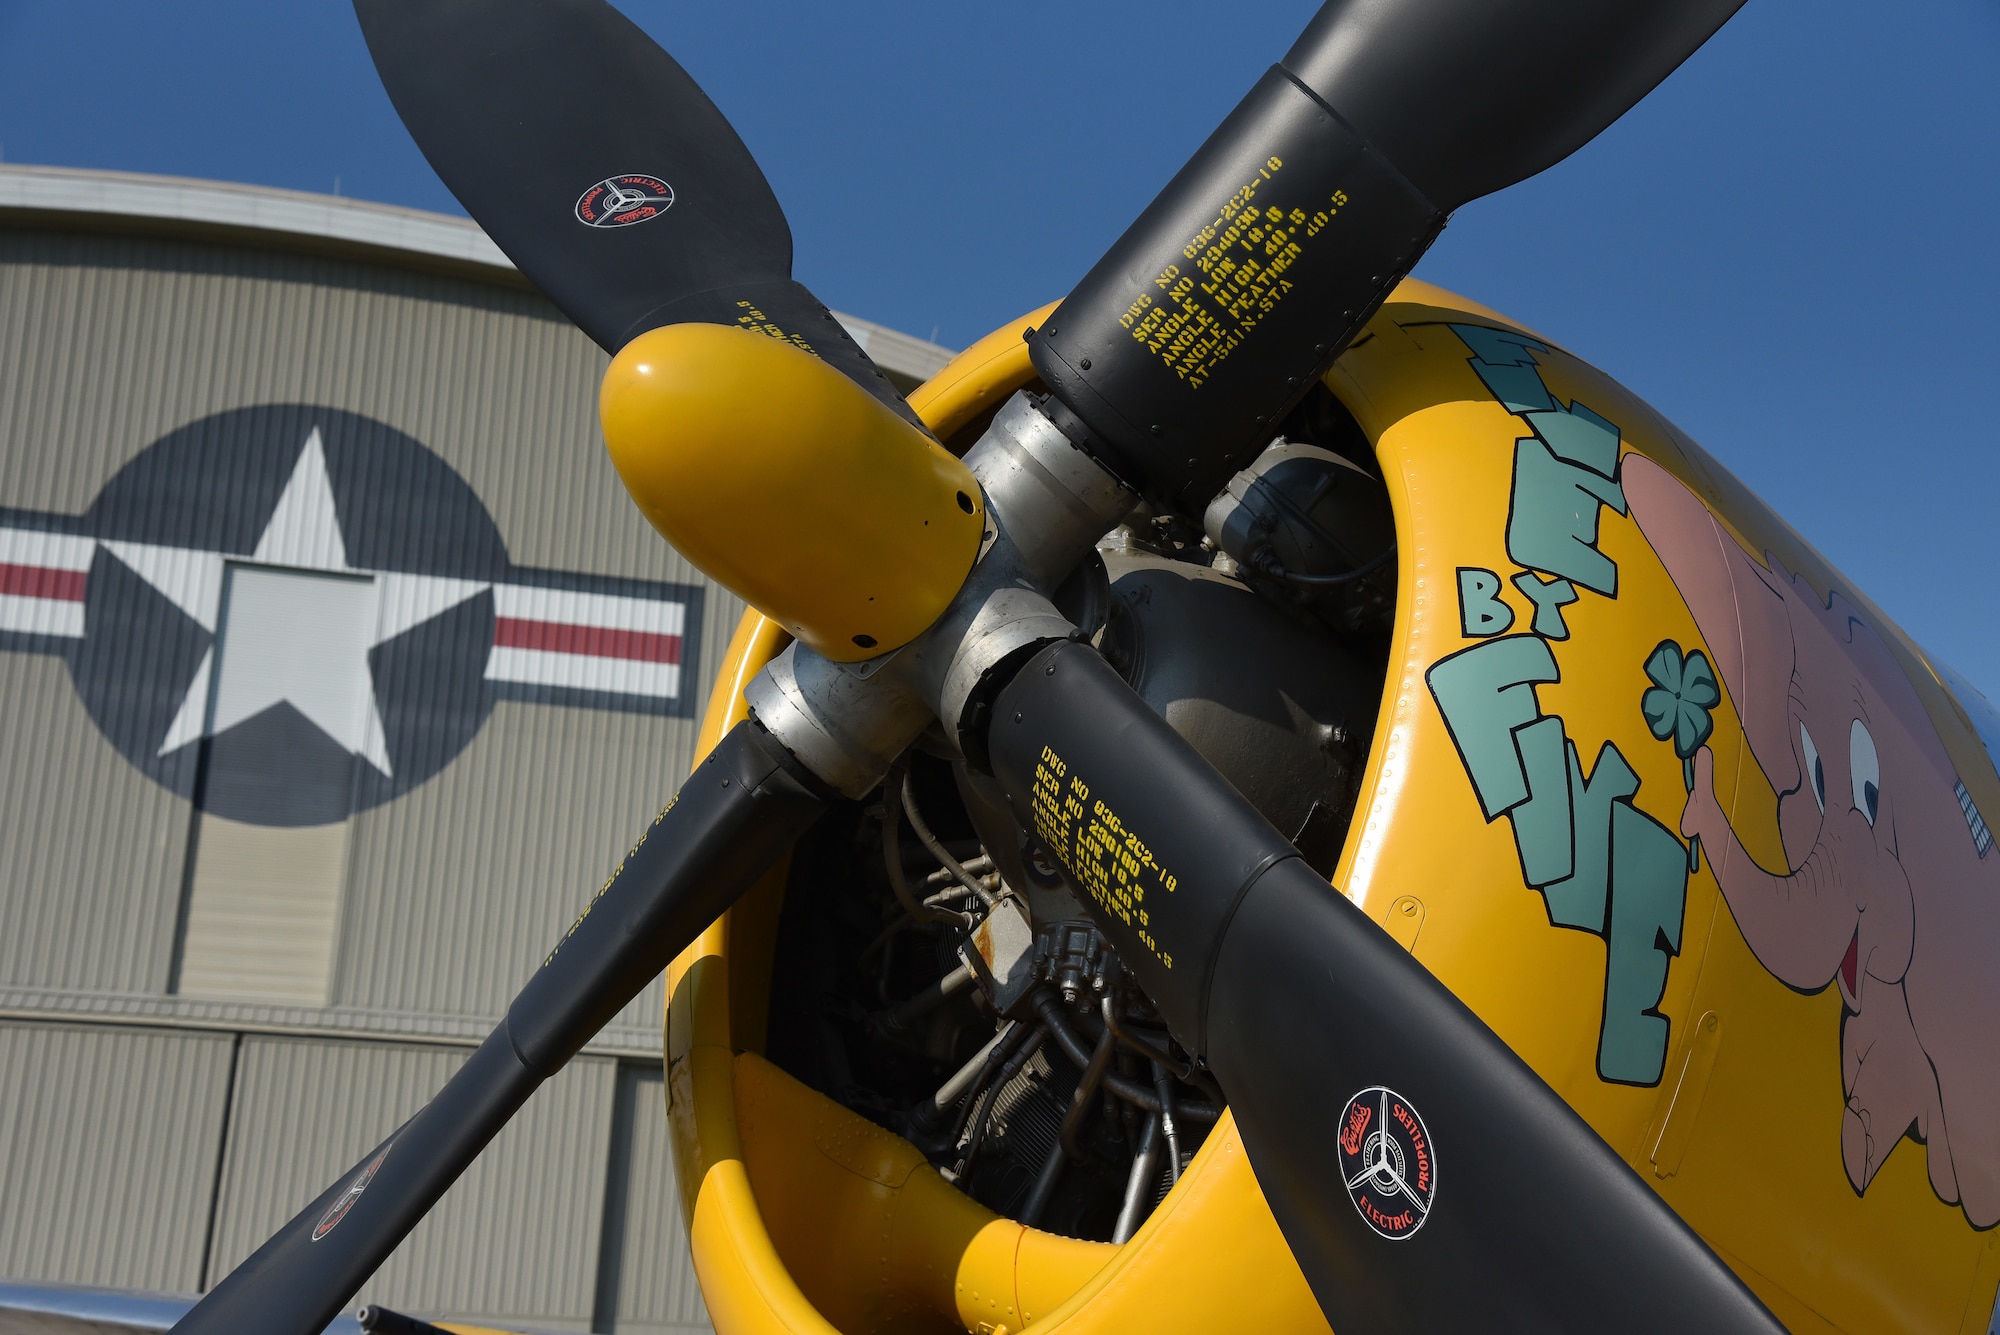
(1557, 725)
(1762, 1173)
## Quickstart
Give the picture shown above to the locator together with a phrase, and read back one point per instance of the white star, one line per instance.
(290, 649)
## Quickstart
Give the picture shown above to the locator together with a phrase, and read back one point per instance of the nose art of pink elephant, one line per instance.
(1887, 891)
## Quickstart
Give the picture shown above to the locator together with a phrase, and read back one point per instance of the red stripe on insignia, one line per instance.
(557, 637)
(46, 582)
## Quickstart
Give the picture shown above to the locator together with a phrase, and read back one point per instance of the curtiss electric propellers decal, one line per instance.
(620, 201)
(1388, 1162)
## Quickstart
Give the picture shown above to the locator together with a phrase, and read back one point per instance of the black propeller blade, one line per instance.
(1352, 1072)
(602, 169)
(597, 164)
(732, 819)
(1425, 1177)
(1237, 287)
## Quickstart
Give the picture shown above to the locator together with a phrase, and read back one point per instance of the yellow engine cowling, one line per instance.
(1544, 726)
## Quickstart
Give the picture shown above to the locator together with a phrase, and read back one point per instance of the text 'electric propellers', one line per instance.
(1424, 1176)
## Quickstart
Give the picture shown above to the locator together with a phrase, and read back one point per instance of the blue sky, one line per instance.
(1788, 249)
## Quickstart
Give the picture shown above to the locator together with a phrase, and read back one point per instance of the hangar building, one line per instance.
(335, 672)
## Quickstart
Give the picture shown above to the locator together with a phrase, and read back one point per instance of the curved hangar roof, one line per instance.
(335, 669)
(224, 211)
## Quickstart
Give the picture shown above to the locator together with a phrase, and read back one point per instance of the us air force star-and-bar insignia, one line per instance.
(290, 613)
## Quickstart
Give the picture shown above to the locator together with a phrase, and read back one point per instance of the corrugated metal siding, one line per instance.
(451, 894)
(122, 339)
(108, 1140)
(262, 911)
(454, 891)
(458, 890)
(647, 1286)
(91, 877)
(517, 1237)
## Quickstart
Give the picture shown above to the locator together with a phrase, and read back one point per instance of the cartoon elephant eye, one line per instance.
(1815, 771)
(1867, 771)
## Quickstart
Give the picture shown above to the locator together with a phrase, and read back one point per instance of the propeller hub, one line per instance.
(791, 486)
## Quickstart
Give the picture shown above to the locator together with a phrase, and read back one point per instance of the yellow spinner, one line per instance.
(1674, 809)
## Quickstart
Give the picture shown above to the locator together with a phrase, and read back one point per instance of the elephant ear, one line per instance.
(1738, 606)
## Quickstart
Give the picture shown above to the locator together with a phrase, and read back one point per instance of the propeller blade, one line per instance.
(595, 162)
(601, 169)
(1233, 292)
(1425, 1176)
(732, 819)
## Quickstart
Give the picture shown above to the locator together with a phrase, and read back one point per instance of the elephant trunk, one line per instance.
(1801, 925)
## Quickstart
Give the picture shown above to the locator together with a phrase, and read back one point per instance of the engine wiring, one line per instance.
(1067, 1104)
